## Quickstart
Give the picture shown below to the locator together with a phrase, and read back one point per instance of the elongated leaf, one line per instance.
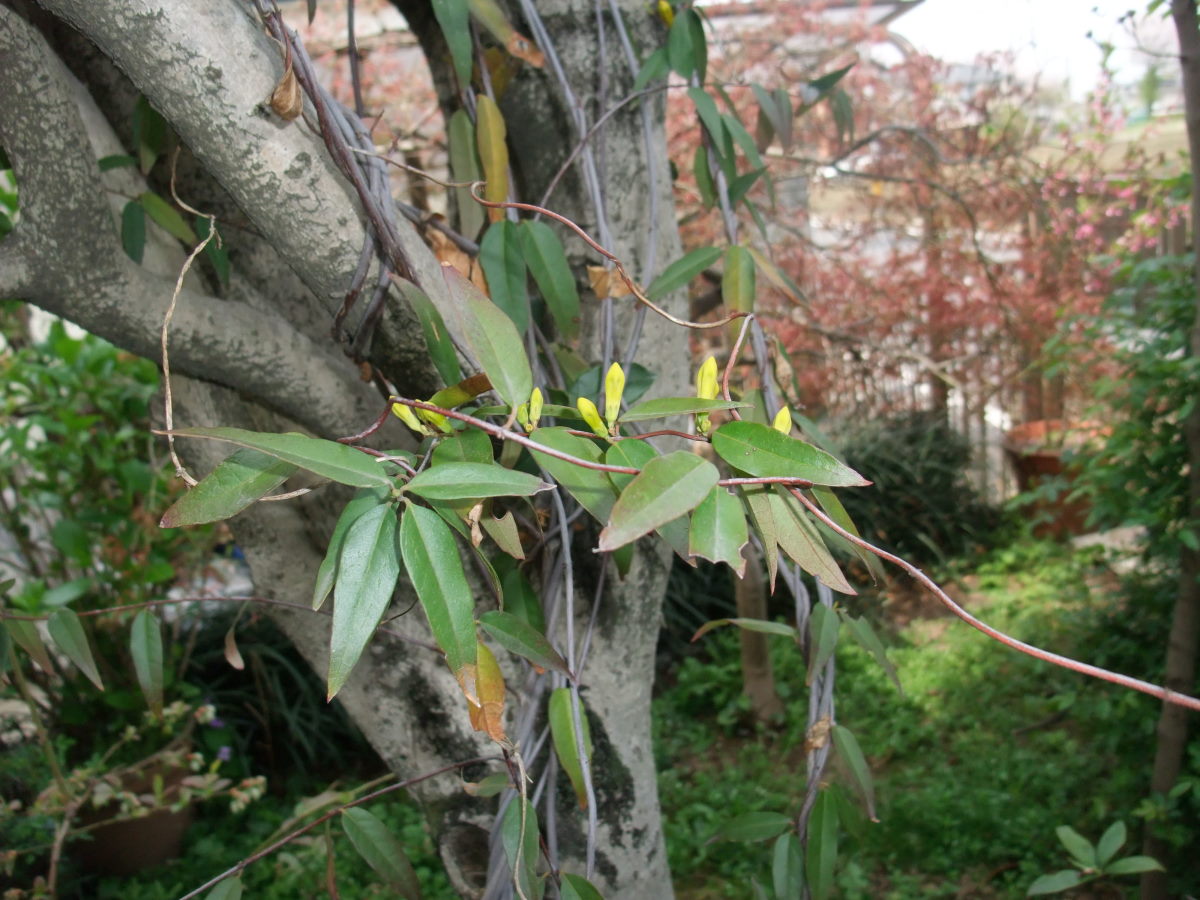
(487, 703)
(133, 230)
(437, 336)
(802, 543)
(862, 632)
(517, 636)
(367, 571)
(505, 533)
(522, 600)
(835, 510)
(490, 137)
(149, 133)
(704, 177)
(760, 450)
(329, 459)
(432, 560)
(1110, 842)
(504, 267)
(68, 635)
(464, 167)
(1054, 883)
(167, 217)
(770, 112)
(655, 67)
(707, 110)
(662, 407)
(474, 481)
(787, 867)
(493, 339)
(681, 54)
(636, 454)
(682, 271)
(547, 260)
(698, 42)
(29, 639)
(851, 753)
(239, 480)
(1133, 865)
(229, 889)
(115, 161)
(758, 501)
(469, 446)
(590, 488)
(737, 131)
(363, 501)
(383, 853)
(822, 846)
(566, 739)
(1078, 846)
(452, 16)
(737, 281)
(668, 487)
(519, 835)
(823, 635)
(145, 647)
(759, 625)
(576, 887)
(718, 531)
(755, 826)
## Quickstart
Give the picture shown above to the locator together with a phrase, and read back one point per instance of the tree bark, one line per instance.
(1180, 672)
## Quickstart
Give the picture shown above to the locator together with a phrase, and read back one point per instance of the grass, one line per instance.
(984, 755)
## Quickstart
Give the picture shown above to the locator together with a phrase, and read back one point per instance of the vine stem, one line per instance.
(1166, 695)
(239, 867)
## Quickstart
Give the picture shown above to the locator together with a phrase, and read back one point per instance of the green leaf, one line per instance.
(565, 737)
(862, 632)
(787, 867)
(762, 451)
(681, 53)
(781, 126)
(312, 10)
(133, 230)
(1110, 842)
(517, 636)
(229, 889)
(667, 488)
(704, 178)
(474, 481)
(1078, 846)
(167, 217)
(1062, 880)
(115, 161)
(590, 488)
(1132, 865)
(828, 81)
(468, 446)
(755, 826)
(737, 282)
(364, 500)
(367, 570)
(494, 340)
(822, 846)
(522, 600)
(329, 459)
(663, 407)
(29, 639)
(851, 753)
(504, 267)
(149, 133)
(381, 850)
(823, 636)
(519, 835)
(547, 260)
(68, 635)
(718, 532)
(709, 115)
(760, 625)
(576, 887)
(145, 646)
(505, 533)
(741, 137)
(801, 541)
(238, 481)
(758, 501)
(655, 68)
(437, 336)
(740, 186)
(464, 167)
(833, 507)
(452, 16)
(682, 271)
(433, 564)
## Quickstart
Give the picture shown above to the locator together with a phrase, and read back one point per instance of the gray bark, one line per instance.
(261, 357)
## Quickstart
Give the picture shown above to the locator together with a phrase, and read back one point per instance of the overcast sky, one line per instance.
(1048, 36)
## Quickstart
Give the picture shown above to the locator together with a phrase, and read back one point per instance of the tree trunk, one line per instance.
(758, 677)
(259, 355)
(1180, 673)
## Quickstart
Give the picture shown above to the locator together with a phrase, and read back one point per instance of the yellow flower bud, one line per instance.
(614, 389)
(591, 415)
(783, 420)
(406, 415)
(535, 408)
(665, 12)
(707, 387)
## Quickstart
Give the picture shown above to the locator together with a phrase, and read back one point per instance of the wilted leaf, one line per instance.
(737, 282)
(487, 705)
(367, 570)
(490, 136)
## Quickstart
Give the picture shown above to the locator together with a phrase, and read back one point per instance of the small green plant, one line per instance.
(1093, 862)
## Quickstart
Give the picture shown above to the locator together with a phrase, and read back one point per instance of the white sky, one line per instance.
(1048, 36)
